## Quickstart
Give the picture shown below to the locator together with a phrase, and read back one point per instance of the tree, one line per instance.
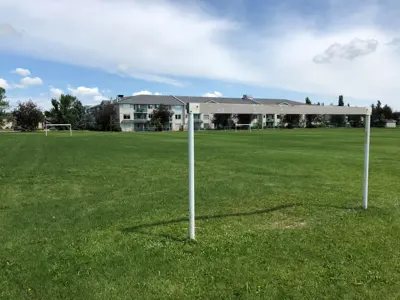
(28, 115)
(107, 118)
(310, 118)
(3, 106)
(66, 110)
(378, 114)
(245, 118)
(292, 120)
(339, 120)
(223, 121)
(161, 117)
(341, 102)
(387, 112)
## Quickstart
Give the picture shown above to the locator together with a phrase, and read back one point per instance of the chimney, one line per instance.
(119, 97)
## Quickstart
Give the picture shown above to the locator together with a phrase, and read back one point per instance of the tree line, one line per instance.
(67, 109)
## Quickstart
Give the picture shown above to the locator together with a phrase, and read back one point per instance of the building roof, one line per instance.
(177, 100)
(151, 99)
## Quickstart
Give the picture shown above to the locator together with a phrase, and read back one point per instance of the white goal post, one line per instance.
(46, 126)
(237, 125)
(213, 108)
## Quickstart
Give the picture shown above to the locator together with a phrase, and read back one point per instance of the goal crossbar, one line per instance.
(237, 125)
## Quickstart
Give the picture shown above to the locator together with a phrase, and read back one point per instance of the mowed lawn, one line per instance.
(104, 216)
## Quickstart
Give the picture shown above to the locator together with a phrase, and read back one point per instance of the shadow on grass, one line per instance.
(137, 229)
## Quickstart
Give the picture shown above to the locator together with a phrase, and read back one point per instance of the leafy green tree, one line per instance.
(341, 102)
(3, 106)
(292, 120)
(107, 118)
(161, 117)
(244, 118)
(28, 115)
(378, 115)
(339, 120)
(66, 110)
(310, 118)
(223, 121)
(387, 112)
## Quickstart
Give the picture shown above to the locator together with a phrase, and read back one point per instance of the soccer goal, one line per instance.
(209, 108)
(47, 126)
(239, 125)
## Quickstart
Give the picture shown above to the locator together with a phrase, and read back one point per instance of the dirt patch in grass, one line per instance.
(288, 224)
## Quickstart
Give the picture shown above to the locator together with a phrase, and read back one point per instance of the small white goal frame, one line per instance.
(52, 125)
(236, 126)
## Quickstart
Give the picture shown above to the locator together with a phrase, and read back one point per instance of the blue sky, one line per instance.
(291, 49)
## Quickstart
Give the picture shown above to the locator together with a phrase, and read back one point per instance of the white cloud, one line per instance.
(350, 51)
(213, 95)
(4, 84)
(87, 95)
(146, 93)
(26, 81)
(55, 92)
(22, 72)
(187, 41)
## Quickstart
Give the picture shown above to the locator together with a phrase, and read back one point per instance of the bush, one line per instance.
(290, 126)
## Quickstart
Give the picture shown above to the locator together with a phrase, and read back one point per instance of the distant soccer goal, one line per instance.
(239, 125)
(48, 126)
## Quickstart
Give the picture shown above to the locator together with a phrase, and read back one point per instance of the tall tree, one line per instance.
(309, 118)
(378, 115)
(245, 118)
(66, 110)
(3, 106)
(161, 117)
(28, 115)
(107, 118)
(292, 120)
(387, 112)
(339, 120)
(341, 102)
(223, 121)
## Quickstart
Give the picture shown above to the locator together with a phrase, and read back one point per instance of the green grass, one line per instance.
(104, 216)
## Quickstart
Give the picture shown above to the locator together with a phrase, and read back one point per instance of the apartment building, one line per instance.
(135, 112)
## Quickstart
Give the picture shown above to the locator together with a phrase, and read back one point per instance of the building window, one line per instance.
(178, 117)
(278, 117)
(127, 117)
(206, 117)
(150, 106)
(156, 106)
(150, 116)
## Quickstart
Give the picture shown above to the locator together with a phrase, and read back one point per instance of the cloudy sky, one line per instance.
(291, 49)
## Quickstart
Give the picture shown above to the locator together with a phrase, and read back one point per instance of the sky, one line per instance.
(289, 49)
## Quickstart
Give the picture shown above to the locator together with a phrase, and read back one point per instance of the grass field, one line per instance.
(104, 216)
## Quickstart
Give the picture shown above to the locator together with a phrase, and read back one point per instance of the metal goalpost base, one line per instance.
(69, 125)
(271, 109)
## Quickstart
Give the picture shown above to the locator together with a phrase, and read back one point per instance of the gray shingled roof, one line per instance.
(174, 100)
(151, 99)
(276, 101)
